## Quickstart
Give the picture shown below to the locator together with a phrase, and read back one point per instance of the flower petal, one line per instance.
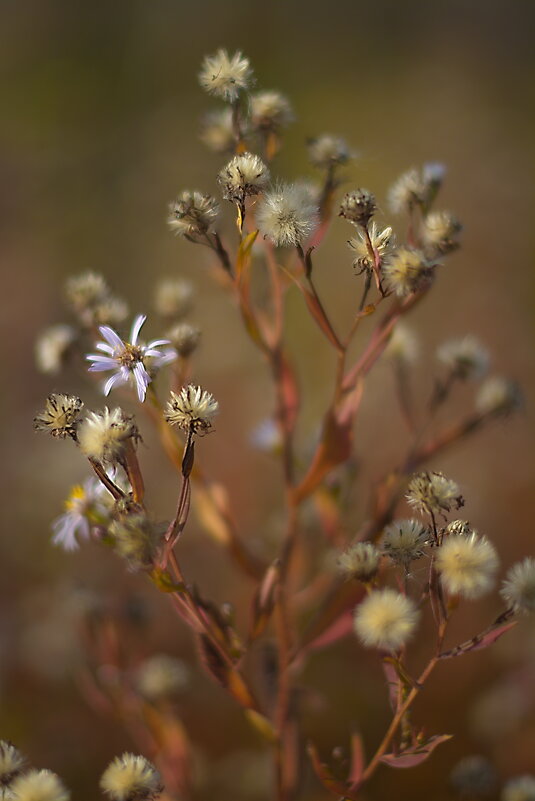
(142, 379)
(116, 378)
(112, 337)
(136, 327)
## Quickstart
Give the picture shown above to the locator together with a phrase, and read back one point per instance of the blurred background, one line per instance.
(100, 130)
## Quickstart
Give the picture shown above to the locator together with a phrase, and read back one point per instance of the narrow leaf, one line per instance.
(415, 754)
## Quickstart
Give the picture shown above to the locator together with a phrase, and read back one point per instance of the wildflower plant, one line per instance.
(376, 599)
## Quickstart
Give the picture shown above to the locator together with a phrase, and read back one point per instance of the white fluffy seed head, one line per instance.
(173, 298)
(498, 396)
(11, 762)
(184, 338)
(403, 345)
(386, 620)
(360, 561)
(440, 231)
(39, 785)
(406, 271)
(217, 131)
(328, 151)
(131, 778)
(86, 291)
(245, 175)
(192, 214)
(193, 409)
(404, 541)
(433, 492)
(104, 435)
(270, 111)
(381, 241)
(518, 589)
(225, 76)
(459, 527)
(287, 215)
(467, 565)
(465, 357)
(53, 347)
(521, 788)
(161, 676)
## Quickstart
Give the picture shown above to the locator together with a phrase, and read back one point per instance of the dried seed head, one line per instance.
(440, 232)
(192, 214)
(473, 777)
(518, 589)
(60, 416)
(103, 436)
(459, 527)
(162, 676)
(358, 206)
(111, 311)
(433, 492)
(404, 541)
(53, 347)
(328, 151)
(131, 778)
(360, 561)
(39, 785)
(386, 620)
(12, 762)
(403, 345)
(184, 338)
(225, 76)
(467, 565)
(407, 271)
(245, 175)
(499, 396)
(192, 410)
(381, 240)
(465, 357)
(217, 131)
(415, 187)
(173, 298)
(287, 215)
(521, 788)
(135, 539)
(86, 291)
(270, 111)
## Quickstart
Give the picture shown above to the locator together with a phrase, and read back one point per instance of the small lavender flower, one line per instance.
(126, 359)
(81, 505)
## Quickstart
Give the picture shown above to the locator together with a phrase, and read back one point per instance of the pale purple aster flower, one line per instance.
(126, 359)
(84, 505)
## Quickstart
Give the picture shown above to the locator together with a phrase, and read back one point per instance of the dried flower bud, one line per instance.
(381, 241)
(135, 539)
(225, 76)
(131, 778)
(161, 676)
(521, 788)
(518, 589)
(217, 131)
(440, 230)
(473, 777)
(403, 345)
(192, 410)
(173, 298)
(404, 541)
(53, 347)
(60, 416)
(467, 565)
(184, 338)
(407, 271)
(328, 151)
(39, 785)
(433, 492)
(12, 762)
(270, 111)
(386, 620)
(245, 175)
(358, 206)
(465, 357)
(192, 214)
(499, 396)
(103, 436)
(360, 561)
(287, 215)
